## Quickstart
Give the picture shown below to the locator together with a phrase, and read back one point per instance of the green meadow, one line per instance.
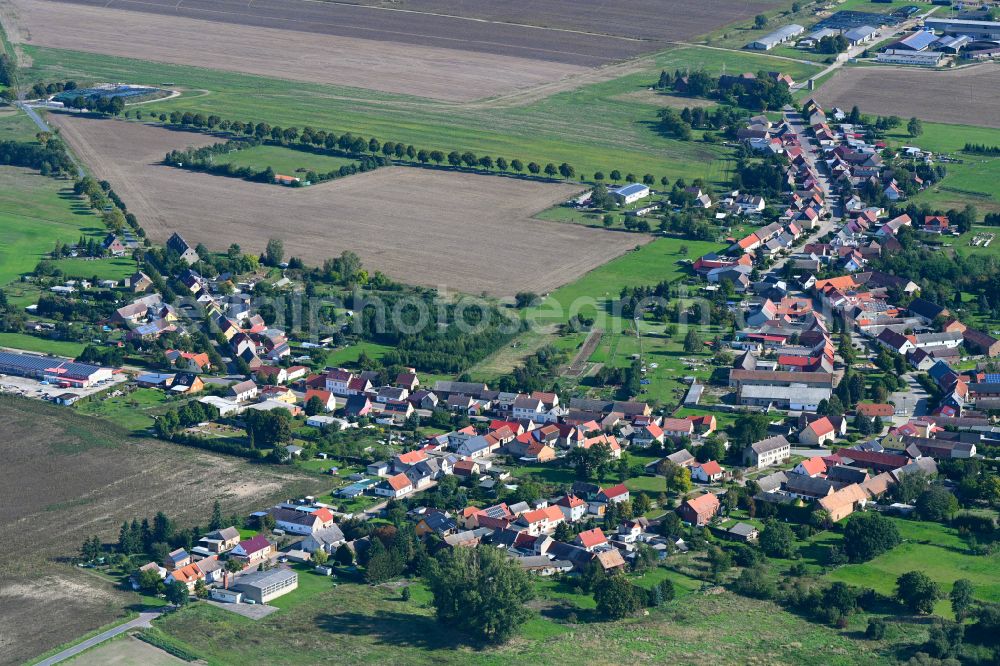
(288, 161)
(35, 212)
(976, 180)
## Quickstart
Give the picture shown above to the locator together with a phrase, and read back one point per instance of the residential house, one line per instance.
(395, 486)
(253, 550)
(699, 510)
(818, 433)
(328, 539)
(842, 503)
(573, 508)
(243, 391)
(591, 540)
(707, 472)
(540, 521)
(220, 541)
(812, 467)
(767, 452)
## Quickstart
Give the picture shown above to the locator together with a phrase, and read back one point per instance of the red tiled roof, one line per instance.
(591, 538)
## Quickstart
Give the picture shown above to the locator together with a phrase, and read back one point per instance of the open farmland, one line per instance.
(413, 69)
(588, 34)
(966, 96)
(68, 476)
(421, 226)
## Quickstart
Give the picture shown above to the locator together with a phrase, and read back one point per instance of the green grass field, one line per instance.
(589, 296)
(134, 411)
(283, 160)
(976, 180)
(43, 345)
(104, 269)
(597, 127)
(35, 212)
(359, 624)
(936, 550)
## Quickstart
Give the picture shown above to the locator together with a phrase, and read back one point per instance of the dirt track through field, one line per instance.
(462, 231)
(423, 70)
(966, 96)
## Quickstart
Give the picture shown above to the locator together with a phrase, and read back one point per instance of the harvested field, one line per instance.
(463, 231)
(637, 19)
(67, 477)
(966, 96)
(126, 652)
(432, 68)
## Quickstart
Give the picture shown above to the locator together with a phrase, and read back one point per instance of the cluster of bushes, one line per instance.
(49, 156)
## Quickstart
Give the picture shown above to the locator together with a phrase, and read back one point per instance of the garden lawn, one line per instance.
(103, 269)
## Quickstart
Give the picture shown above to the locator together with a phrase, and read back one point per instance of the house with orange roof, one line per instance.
(540, 521)
(707, 472)
(812, 467)
(395, 486)
(818, 433)
(704, 424)
(873, 409)
(841, 283)
(842, 503)
(189, 361)
(189, 575)
(677, 429)
(590, 540)
(326, 398)
(647, 434)
(572, 507)
(698, 511)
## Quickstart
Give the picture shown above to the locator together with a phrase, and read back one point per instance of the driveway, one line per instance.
(141, 622)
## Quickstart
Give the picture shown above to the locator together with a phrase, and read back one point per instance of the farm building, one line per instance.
(630, 193)
(918, 58)
(916, 41)
(975, 29)
(263, 586)
(987, 30)
(53, 369)
(779, 36)
(860, 35)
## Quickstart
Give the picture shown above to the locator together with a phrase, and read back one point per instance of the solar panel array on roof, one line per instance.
(27, 363)
(495, 512)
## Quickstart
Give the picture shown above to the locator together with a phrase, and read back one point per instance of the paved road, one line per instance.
(809, 453)
(44, 126)
(812, 155)
(140, 622)
(912, 402)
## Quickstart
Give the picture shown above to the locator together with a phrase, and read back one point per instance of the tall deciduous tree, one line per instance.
(482, 591)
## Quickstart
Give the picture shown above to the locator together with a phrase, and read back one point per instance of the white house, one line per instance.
(707, 472)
